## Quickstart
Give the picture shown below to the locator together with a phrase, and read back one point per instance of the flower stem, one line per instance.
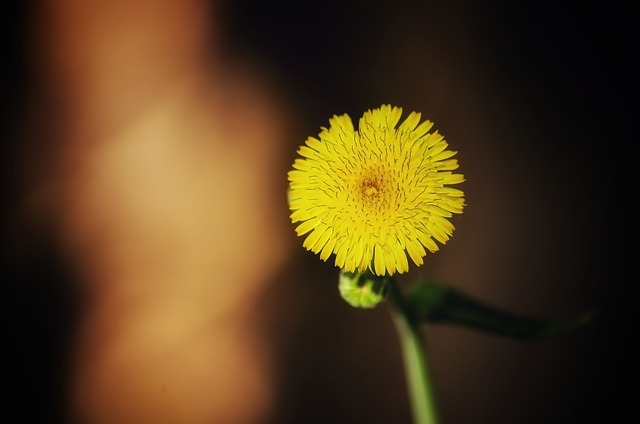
(414, 355)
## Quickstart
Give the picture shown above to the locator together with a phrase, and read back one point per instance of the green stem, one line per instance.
(414, 355)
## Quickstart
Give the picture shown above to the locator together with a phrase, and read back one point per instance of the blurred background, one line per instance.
(150, 272)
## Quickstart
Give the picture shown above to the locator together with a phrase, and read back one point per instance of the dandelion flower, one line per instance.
(373, 195)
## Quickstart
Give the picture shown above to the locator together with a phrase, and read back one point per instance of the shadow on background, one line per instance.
(538, 101)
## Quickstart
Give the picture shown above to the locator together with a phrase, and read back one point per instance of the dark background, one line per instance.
(539, 99)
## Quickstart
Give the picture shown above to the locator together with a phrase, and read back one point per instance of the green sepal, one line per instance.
(362, 289)
(429, 302)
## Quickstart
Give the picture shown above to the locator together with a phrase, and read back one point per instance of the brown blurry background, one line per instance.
(151, 274)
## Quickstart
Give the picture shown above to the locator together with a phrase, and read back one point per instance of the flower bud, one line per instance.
(362, 289)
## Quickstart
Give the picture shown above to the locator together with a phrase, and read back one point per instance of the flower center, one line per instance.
(373, 190)
(370, 189)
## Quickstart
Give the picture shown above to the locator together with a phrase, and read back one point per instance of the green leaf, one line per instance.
(431, 303)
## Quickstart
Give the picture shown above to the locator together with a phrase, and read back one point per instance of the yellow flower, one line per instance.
(374, 194)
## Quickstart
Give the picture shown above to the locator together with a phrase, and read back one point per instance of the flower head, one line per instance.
(373, 195)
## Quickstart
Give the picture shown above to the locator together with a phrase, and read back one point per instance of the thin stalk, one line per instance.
(421, 396)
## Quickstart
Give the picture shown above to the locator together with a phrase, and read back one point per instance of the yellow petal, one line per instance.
(416, 252)
(379, 261)
(328, 249)
(315, 235)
